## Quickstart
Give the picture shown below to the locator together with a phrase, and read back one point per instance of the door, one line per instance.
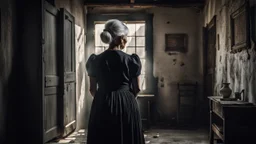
(51, 73)
(209, 44)
(69, 75)
(211, 57)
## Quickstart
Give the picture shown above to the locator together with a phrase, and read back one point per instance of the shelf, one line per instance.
(216, 113)
(219, 128)
(216, 129)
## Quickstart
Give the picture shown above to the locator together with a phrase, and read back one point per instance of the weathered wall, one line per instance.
(6, 55)
(77, 9)
(239, 69)
(177, 67)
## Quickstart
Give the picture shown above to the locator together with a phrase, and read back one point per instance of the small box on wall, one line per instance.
(176, 42)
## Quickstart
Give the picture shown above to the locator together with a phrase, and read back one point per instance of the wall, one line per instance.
(77, 9)
(6, 55)
(239, 69)
(175, 67)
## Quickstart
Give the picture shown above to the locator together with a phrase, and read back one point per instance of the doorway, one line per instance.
(210, 57)
(209, 45)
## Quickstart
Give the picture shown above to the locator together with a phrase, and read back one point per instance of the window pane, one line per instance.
(140, 41)
(131, 28)
(142, 82)
(129, 50)
(143, 66)
(141, 52)
(140, 29)
(130, 41)
(99, 50)
(98, 30)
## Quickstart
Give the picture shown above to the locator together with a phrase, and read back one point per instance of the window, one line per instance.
(135, 44)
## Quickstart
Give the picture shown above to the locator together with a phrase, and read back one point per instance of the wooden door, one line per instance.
(51, 73)
(210, 57)
(69, 77)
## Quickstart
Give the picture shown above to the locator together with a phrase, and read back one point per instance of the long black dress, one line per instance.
(114, 117)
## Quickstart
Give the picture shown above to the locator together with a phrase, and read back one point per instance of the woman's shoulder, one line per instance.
(135, 57)
(92, 58)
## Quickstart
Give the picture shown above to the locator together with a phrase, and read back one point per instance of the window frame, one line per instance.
(129, 17)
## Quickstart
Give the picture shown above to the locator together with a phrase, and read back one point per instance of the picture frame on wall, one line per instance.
(239, 24)
(177, 42)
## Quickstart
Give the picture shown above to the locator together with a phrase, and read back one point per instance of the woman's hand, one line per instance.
(136, 86)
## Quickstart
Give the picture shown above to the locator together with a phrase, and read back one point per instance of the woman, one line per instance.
(114, 75)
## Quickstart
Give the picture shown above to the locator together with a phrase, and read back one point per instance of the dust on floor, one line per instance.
(154, 136)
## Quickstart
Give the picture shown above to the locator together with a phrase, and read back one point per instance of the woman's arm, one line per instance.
(93, 86)
(135, 85)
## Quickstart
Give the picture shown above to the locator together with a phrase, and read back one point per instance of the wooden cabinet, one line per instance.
(232, 122)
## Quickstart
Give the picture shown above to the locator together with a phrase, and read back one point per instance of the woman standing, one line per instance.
(114, 78)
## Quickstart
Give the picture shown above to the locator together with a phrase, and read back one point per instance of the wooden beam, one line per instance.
(143, 5)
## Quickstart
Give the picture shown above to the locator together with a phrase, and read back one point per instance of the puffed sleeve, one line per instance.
(135, 65)
(90, 66)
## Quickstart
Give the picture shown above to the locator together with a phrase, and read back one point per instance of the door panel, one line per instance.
(69, 78)
(211, 57)
(50, 73)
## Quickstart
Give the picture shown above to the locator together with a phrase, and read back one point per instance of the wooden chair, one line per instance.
(186, 107)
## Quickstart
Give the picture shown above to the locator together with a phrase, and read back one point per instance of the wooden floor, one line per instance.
(155, 136)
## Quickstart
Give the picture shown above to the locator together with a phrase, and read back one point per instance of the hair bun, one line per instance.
(106, 37)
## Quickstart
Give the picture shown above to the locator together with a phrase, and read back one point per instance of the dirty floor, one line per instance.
(155, 136)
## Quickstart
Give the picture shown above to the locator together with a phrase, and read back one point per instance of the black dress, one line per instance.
(114, 117)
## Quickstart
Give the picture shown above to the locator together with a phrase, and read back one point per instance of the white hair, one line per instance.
(113, 29)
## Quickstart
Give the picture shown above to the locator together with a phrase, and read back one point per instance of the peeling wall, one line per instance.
(77, 9)
(6, 55)
(176, 67)
(239, 69)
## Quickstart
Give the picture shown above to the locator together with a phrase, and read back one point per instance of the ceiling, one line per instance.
(145, 2)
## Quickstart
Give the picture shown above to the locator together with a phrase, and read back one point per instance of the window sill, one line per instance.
(146, 95)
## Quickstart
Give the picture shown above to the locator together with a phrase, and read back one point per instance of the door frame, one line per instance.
(206, 29)
(53, 10)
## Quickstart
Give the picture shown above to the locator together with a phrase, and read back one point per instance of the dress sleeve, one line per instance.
(135, 67)
(90, 66)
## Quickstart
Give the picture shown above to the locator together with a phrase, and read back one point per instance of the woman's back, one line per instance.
(114, 69)
(114, 116)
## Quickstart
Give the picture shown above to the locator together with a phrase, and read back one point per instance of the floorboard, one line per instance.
(154, 136)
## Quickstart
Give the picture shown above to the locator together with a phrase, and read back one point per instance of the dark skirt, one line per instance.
(115, 119)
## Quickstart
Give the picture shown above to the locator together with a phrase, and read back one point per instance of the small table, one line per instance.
(232, 122)
(144, 101)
